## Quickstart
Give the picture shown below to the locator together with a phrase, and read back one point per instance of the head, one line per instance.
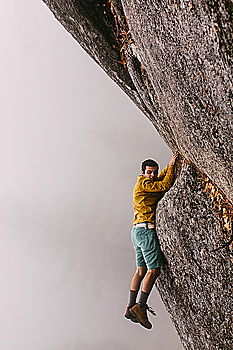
(150, 168)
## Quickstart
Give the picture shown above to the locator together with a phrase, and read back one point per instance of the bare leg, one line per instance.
(138, 277)
(149, 279)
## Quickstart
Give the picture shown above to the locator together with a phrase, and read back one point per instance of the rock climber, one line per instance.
(149, 189)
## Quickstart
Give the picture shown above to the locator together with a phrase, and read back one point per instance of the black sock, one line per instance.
(143, 299)
(132, 297)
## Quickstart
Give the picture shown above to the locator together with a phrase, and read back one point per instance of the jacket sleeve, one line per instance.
(162, 173)
(148, 185)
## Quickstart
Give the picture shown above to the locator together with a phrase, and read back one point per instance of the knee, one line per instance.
(141, 271)
(154, 272)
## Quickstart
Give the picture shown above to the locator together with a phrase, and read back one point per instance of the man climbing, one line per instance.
(149, 189)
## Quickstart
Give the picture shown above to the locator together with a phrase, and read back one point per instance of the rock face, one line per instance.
(173, 59)
(195, 283)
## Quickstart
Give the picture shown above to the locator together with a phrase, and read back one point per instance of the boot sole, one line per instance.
(132, 318)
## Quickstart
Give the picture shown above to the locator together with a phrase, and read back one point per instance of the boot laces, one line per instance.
(150, 310)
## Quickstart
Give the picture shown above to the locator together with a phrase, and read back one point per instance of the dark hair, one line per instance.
(148, 162)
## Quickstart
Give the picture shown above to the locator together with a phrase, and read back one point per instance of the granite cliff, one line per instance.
(173, 58)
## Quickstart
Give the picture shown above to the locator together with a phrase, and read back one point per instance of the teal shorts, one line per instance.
(146, 246)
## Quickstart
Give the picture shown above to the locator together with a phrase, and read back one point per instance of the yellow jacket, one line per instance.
(148, 192)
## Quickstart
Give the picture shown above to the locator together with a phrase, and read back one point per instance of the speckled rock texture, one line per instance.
(196, 281)
(174, 58)
(179, 45)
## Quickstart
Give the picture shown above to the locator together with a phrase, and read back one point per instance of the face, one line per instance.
(151, 172)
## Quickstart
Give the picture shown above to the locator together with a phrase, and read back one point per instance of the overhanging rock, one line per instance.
(173, 59)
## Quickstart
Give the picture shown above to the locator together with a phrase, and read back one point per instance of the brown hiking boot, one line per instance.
(140, 313)
(130, 316)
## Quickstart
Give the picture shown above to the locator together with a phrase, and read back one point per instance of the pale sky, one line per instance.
(71, 144)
